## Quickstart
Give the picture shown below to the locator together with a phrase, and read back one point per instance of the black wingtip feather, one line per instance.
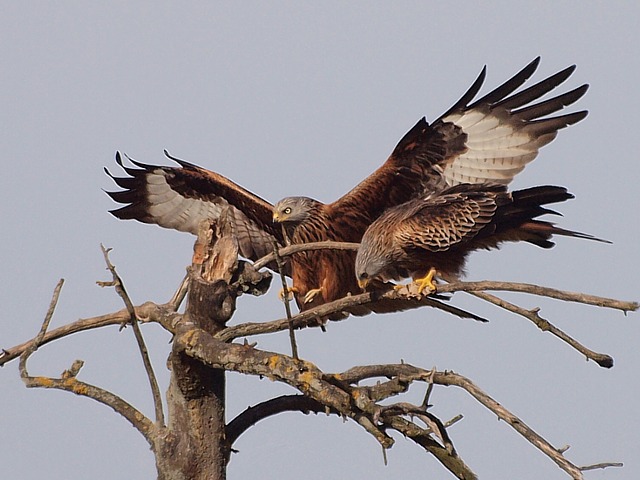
(182, 163)
(468, 95)
(503, 96)
(509, 86)
(538, 110)
(536, 91)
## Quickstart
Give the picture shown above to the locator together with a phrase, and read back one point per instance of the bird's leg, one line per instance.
(290, 292)
(311, 294)
(427, 281)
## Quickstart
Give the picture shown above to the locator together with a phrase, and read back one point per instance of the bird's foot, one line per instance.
(427, 282)
(311, 294)
(290, 294)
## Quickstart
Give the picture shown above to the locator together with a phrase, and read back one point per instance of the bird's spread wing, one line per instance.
(489, 140)
(439, 223)
(475, 216)
(182, 197)
(402, 177)
(505, 130)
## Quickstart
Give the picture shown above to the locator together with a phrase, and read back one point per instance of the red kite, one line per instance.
(436, 233)
(487, 140)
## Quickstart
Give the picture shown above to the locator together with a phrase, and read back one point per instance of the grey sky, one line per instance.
(309, 99)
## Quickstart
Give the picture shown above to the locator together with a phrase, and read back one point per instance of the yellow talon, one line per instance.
(311, 294)
(290, 294)
(427, 281)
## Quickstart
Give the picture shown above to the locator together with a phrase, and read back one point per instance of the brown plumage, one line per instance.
(489, 140)
(439, 231)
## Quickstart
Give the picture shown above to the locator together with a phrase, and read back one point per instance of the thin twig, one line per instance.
(427, 395)
(68, 381)
(303, 247)
(601, 359)
(286, 300)
(451, 378)
(147, 312)
(268, 408)
(453, 420)
(310, 317)
(133, 319)
(601, 466)
(538, 290)
(43, 328)
(181, 293)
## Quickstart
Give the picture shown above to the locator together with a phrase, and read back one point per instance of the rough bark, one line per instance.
(195, 447)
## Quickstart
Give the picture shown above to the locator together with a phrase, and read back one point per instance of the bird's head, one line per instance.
(293, 210)
(370, 264)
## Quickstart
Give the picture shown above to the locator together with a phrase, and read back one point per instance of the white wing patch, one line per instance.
(171, 210)
(497, 149)
(505, 129)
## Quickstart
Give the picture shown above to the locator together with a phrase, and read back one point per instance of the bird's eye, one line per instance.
(287, 210)
(364, 275)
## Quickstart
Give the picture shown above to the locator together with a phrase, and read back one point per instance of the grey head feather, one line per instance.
(294, 210)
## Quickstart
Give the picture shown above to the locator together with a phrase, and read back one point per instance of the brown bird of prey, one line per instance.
(435, 234)
(490, 139)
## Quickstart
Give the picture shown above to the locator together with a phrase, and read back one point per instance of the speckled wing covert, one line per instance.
(439, 231)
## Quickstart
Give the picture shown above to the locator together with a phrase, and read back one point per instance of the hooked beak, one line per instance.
(363, 283)
(276, 217)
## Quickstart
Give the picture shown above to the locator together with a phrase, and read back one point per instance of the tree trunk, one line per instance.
(195, 445)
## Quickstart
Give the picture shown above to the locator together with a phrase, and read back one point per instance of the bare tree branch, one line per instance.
(601, 359)
(402, 299)
(147, 312)
(394, 301)
(70, 383)
(337, 394)
(268, 408)
(598, 466)
(449, 459)
(286, 300)
(451, 378)
(118, 284)
(303, 247)
(486, 285)
(469, 286)
(181, 293)
(329, 390)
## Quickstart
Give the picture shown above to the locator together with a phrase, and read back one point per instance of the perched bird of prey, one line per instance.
(435, 234)
(487, 140)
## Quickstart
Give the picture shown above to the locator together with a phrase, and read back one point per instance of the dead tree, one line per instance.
(195, 443)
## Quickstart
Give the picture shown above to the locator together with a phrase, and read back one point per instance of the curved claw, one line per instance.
(311, 294)
(291, 291)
